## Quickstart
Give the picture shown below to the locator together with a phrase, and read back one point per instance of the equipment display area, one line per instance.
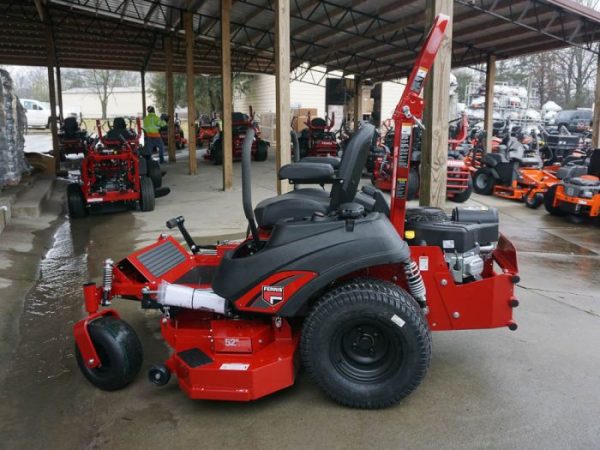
(220, 275)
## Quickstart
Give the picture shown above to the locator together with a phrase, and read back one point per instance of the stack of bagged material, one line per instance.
(12, 138)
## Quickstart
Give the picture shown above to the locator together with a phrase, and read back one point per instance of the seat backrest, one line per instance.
(119, 124)
(594, 167)
(318, 122)
(71, 126)
(352, 165)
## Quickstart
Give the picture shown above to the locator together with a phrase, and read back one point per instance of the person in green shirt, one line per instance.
(152, 139)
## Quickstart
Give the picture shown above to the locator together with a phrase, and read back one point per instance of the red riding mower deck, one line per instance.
(578, 194)
(206, 129)
(180, 140)
(317, 139)
(325, 279)
(241, 124)
(111, 173)
(72, 139)
(458, 178)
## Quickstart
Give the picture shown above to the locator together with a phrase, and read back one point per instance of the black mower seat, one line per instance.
(571, 171)
(304, 202)
(333, 161)
(307, 172)
(584, 182)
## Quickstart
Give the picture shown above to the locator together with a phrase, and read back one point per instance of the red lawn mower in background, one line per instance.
(240, 126)
(71, 138)
(318, 139)
(110, 173)
(459, 185)
(206, 129)
(327, 279)
(180, 140)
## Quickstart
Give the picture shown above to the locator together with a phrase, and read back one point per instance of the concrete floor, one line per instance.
(537, 387)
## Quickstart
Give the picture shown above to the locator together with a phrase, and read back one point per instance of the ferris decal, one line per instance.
(272, 294)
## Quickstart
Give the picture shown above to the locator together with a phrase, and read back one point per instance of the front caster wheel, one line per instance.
(119, 350)
(367, 344)
(159, 375)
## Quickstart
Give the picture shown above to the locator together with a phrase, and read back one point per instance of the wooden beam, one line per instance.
(170, 97)
(596, 118)
(143, 78)
(488, 117)
(61, 112)
(282, 89)
(358, 109)
(434, 151)
(51, 61)
(227, 93)
(188, 24)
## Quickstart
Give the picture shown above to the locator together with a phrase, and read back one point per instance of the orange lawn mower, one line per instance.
(207, 128)
(578, 195)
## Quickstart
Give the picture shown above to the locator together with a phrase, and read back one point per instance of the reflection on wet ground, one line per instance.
(46, 402)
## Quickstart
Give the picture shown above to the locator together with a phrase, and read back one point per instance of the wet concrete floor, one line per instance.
(538, 387)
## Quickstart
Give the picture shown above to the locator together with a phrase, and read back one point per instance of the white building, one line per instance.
(124, 101)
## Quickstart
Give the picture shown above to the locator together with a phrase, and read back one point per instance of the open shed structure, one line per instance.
(372, 40)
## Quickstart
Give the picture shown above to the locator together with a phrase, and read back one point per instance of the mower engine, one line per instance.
(582, 187)
(467, 240)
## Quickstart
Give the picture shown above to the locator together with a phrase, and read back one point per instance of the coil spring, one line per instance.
(415, 283)
(107, 280)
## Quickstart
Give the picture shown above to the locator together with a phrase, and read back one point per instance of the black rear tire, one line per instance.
(75, 201)
(413, 183)
(146, 194)
(217, 152)
(262, 150)
(549, 202)
(155, 173)
(465, 195)
(484, 182)
(366, 344)
(119, 350)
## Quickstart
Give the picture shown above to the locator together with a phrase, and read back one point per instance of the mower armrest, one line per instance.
(333, 161)
(307, 172)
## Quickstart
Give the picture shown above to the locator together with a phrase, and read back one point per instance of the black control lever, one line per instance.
(178, 222)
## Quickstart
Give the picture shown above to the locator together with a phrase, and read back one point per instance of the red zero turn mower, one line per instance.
(71, 138)
(241, 123)
(206, 129)
(110, 173)
(458, 177)
(180, 140)
(318, 139)
(326, 280)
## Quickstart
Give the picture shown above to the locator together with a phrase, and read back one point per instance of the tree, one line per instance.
(207, 89)
(30, 82)
(103, 82)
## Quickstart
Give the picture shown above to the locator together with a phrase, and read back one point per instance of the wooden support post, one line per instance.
(170, 97)
(282, 89)
(52, 91)
(596, 118)
(434, 151)
(358, 109)
(227, 94)
(61, 113)
(143, 78)
(488, 118)
(188, 23)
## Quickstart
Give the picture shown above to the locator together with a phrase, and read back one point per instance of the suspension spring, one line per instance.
(415, 283)
(107, 280)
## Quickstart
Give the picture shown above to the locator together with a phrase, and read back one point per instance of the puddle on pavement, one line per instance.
(534, 239)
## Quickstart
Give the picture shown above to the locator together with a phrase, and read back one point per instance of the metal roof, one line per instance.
(377, 39)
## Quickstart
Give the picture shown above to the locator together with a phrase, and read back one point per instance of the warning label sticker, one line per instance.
(419, 78)
(234, 366)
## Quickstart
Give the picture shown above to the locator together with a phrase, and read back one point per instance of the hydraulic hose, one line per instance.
(247, 183)
(296, 144)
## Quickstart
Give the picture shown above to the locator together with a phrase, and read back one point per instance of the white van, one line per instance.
(38, 113)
